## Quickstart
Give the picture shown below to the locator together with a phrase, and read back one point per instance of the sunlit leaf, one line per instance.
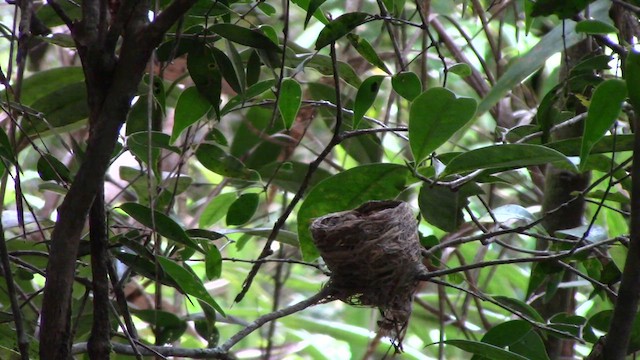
(434, 117)
(289, 101)
(606, 105)
(595, 27)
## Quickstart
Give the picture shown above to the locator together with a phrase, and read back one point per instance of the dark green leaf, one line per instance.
(365, 97)
(216, 209)
(50, 168)
(520, 307)
(289, 101)
(138, 144)
(145, 267)
(407, 84)
(213, 263)
(485, 350)
(505, 156)
(507, 333)
(595, 27)
(563, 9)
(189, 282)
(205, 73)
(314, 5)
(244, 36)
(434, 117)
(322, 63)
(348, 190)
(253, 68)
(61, 107)
(364, 48)
(42, 83)
(605, 107)
(291, 175)
(242, 210)
(191, 107)
(252, 92)
(204, 234)
(218, 161)
(339, 28)
(164, 225)
(318, 14)
(167, 326)
(227, 70)
(442, 207)
(632, 76)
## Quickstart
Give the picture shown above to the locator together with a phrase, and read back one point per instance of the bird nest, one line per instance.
(374, 256)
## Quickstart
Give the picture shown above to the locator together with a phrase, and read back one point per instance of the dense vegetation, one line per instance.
(163, 161)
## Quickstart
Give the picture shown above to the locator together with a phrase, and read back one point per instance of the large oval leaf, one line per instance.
(242, 209)
(339, 28)
(434, 117)
(164, 225)
(289, 101)
(348, 190)
(407, 84)
(606, 104)
(218, 161)
(189, 282)
(504, 156)
(191, 107)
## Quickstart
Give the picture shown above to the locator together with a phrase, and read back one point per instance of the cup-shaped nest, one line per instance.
(374, 255)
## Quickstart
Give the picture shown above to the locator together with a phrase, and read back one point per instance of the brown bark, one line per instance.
(111, 84)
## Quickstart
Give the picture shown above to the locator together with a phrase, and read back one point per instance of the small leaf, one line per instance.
(505, 156)
(485, 350)
(216, 209)
(289, 101)
(340, 27)
(311, 9)
(460, 69)
(606, 104)
(365, 97)
(189, 282)
(50, 168)
(595, 27)
(348, 190)
(434, 117)
(407, 84)
(218, 161)
(242, 210)
(191, 107)
(244, 36)
(164, 225)
(213, 263)
(364, 48)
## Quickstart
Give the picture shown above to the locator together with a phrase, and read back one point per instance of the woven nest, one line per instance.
(374, 255)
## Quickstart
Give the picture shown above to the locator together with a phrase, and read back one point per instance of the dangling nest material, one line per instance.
(373, 253)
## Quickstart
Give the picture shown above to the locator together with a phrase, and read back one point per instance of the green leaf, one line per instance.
(632, 76)
(606, 104)
(253, 69)
(167, 326)
(595, 27)
(164, 225)
(407, 84)
(189, 282)
(563, 9)
(191, 107)
(216, 209)
(61, 107)
(218, 161)
(340, 27)
(138, 144)
(227, 70)
(50, 168)
(365, 97)
(485, 350)
(45, 82)
(205, 73)
(460, 69)
(505, 156)
(364, 48)
(348, 190)
(434, 117)
(213, 263)
(442, 207)
(244, 36)
(243, 209)
(318, 14)
(289, 101)
(322, 64)
(521, 307)
(291, 175)
(252, 92)
(314, 5)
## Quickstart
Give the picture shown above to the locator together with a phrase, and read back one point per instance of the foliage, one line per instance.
(254, 118)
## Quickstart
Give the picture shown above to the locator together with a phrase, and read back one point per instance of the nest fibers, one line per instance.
(373, 253)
